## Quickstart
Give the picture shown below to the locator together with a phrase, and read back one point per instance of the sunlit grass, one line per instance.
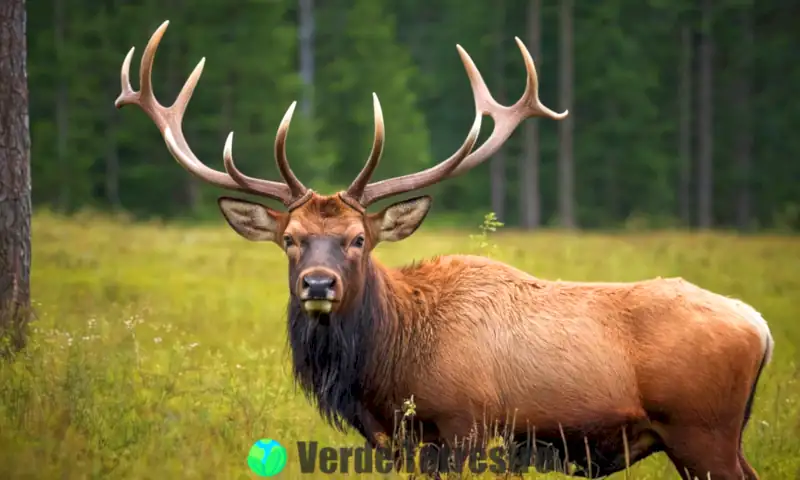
(160, 351)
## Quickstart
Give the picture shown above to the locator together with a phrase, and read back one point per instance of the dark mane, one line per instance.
(333, 362)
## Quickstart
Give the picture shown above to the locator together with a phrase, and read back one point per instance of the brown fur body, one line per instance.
(477, 341)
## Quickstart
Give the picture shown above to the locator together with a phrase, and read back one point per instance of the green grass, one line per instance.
(159, 351)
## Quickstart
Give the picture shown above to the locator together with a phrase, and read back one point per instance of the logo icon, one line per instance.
(266, 458)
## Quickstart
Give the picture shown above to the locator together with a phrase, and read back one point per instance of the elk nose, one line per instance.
(318, 286)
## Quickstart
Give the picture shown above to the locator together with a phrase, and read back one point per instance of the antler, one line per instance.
(169, 122)
(358, 194)
(506, 119)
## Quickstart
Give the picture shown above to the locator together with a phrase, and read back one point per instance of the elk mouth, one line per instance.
(318, 305)
(319, 310)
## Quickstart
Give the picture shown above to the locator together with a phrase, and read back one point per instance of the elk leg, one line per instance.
(457, 435)
(749, 473)
(372, 429)
(699, 452)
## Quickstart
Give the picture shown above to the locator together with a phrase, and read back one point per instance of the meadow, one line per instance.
(159, 350)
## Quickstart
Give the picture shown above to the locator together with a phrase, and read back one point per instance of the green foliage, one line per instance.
(626, 61)
(358, 54)
(160, 350)
(481, 241)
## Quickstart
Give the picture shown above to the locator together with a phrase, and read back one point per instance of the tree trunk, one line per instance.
(705, 183)
(744, 136)
(530, 208)
(15, 178)
(614, 173)
(685, 121)
(112, 169)
(305, 32)
(62, 107)
(497, 166)
(566, 170)
(112, 163)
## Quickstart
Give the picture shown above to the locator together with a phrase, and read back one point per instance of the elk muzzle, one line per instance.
(319, 290)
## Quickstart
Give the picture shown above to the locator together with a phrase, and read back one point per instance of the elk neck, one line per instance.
(376, 343)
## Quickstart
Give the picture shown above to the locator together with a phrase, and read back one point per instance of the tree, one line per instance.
(15, 179)
(62, 102)
(566, 170)
(368, 58)
(744, 135)
(685, 130)
(530, 202)
(497, 165)
(305, 33)
(705, 127)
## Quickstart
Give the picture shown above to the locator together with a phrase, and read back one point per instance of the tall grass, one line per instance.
(159, 351)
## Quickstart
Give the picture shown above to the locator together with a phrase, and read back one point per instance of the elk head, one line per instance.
(328, 239)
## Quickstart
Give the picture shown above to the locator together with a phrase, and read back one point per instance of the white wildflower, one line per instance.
(157, 339)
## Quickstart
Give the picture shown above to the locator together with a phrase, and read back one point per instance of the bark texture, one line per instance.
(15, 179)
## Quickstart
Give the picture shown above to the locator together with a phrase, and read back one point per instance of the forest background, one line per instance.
(681, 112)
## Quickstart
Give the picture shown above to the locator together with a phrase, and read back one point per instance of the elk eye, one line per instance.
(358, 242)
(288, 241)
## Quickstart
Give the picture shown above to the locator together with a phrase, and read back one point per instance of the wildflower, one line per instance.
(157, 339)
(192, 345)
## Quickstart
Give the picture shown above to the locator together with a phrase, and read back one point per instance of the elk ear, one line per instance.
(251, 220)
(400, 220)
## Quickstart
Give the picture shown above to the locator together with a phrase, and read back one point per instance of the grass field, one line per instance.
(160, 352)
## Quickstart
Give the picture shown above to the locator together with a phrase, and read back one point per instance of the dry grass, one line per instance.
(160, 351)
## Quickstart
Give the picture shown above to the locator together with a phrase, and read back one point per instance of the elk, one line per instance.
(658, 365)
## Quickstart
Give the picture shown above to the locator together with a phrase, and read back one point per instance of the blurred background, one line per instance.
(682, 113)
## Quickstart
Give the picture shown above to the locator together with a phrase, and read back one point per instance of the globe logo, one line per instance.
(266, 458)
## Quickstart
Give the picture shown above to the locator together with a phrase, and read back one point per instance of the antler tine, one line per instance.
(169, 123)
(415, 181)
(506, 119)
(296, 187)
(356, 188)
